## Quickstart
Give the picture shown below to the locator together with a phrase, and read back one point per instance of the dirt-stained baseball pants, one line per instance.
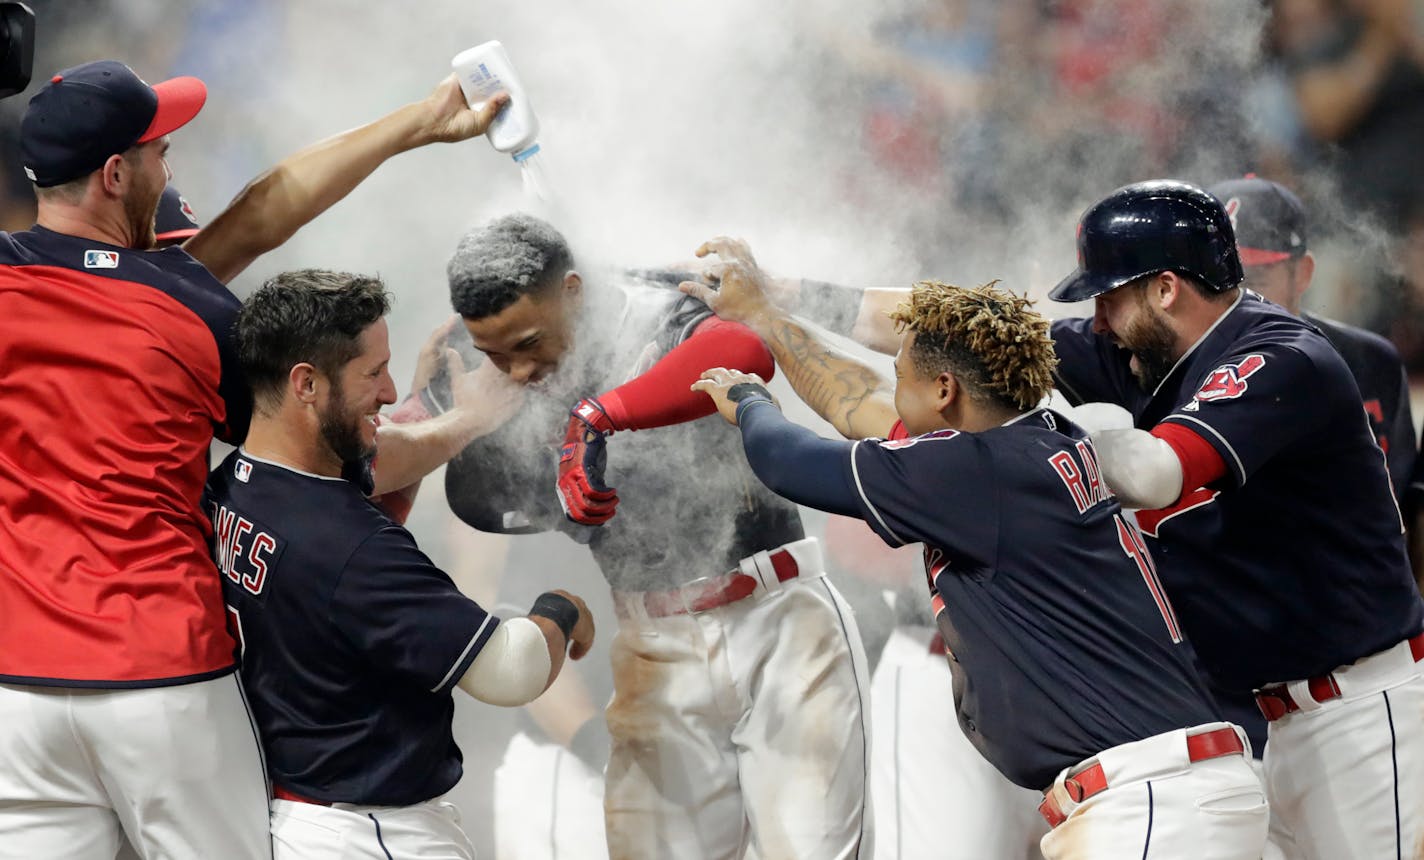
(741, 731)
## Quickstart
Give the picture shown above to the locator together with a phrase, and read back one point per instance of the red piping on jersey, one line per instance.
(663, 395)
(1201, 463)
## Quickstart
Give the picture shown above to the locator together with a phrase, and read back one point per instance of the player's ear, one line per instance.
(1304, 271)
(1165, 289)
(114, 175)
(948, 391)
(573, 283)
(302, 382)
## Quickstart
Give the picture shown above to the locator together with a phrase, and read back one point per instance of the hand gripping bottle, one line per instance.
(485, 70)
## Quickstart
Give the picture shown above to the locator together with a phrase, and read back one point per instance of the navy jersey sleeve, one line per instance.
(405, 615)
(233, 389)
(794, 462)
(1414, 495)
(1402, 454)
(1257, 403)
(936, 488)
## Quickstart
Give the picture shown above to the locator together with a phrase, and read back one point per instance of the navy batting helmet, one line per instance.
(1151, 227)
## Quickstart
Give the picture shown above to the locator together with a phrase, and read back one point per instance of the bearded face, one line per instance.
(342, 425)
(1127, 316)
(1151, 342)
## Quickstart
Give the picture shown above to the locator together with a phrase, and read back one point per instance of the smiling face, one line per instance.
(527, 340)
(355, 395)
(1126, 315)
(149, 174)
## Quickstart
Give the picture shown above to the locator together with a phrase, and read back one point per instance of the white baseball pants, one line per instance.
(740, 731)
(346, 831)
(1159, 805)
(176, 769)
(1346, 776)
(935, 794)
(548, 805)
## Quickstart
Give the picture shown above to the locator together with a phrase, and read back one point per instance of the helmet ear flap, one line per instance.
(1151, 227)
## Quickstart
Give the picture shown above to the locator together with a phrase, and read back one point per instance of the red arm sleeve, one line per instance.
(1201, 464)
(663, 395)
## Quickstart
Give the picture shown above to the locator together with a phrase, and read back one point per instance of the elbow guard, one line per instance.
(513, 667)
(1142, 470)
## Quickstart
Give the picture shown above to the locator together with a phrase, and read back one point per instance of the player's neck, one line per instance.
(101, 224)
(278, 441)
(1195, 318)
(974, 418)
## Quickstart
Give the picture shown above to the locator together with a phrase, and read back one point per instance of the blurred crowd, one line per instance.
(976, 112)
(986, 105)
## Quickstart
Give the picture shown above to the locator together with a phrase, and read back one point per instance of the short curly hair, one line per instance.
(311, 315)
(990, 339)
(504, 259)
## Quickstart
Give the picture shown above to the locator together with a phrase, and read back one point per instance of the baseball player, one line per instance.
(737, 721)
(1268, 505)
(1070, 672)
(1272, 238)
(351, 639)
(117, 373)
(120, 713)
(912, 758)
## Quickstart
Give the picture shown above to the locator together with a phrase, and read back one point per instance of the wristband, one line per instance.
(831, 305)
(558, 609)
(744, 394)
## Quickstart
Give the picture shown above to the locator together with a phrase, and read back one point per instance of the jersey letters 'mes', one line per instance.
(244, 552)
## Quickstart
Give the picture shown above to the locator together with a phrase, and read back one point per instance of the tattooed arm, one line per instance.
(853, 397)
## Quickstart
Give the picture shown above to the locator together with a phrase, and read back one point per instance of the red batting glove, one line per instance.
(583, 495)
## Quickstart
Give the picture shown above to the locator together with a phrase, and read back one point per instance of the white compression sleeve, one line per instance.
(1142, 470)
(513, 667)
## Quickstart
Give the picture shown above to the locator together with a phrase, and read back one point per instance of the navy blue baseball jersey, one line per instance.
(1044, 592)
(1384, 388)
(351, 640)
(1293, 563)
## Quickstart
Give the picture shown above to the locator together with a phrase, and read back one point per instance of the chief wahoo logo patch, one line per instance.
(1229, 381)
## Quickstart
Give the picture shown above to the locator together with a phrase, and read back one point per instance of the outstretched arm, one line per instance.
(281, 201)
(414, 443)
(789, 459)
(863, 315)
(852, 396)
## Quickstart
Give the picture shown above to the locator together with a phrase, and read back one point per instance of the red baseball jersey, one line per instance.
(116, 369)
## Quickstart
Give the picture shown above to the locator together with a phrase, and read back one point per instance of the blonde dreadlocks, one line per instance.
(990, 339)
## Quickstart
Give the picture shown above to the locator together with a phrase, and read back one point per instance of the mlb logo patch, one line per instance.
(101, 259)
(243, 470)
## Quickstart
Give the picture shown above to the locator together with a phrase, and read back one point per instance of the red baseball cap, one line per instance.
(88, 113)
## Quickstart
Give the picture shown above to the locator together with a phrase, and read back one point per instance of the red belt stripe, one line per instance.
(1091, 780)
